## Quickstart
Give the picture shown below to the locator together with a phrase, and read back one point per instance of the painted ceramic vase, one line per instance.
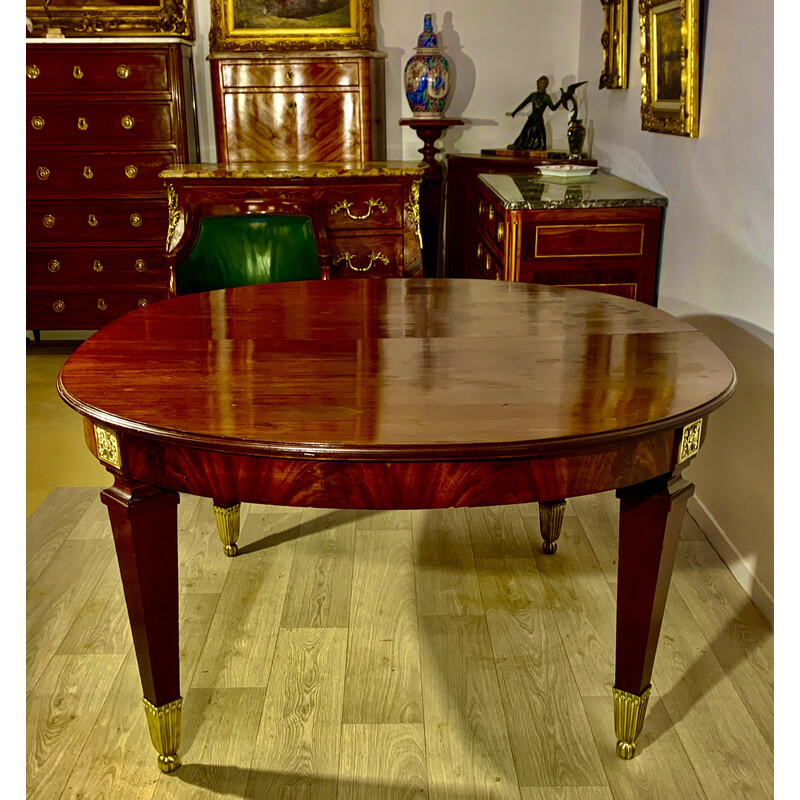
(427, 79)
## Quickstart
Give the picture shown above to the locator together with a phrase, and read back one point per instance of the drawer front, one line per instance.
(98, 267)
(297, 73)
(487, 264)
(56, 70)
(54, 173)
(582, 240)
(367, 256)
(96, 220)
(348, 207)
(120, 123)
(53, 309)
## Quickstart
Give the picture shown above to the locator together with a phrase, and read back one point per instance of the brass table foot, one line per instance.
(629, 711)
(228, 527)
(164, 723)
(551, 516)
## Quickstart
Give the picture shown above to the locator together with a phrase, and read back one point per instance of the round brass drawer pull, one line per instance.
(37, 122)
(101, 304)
(123, 71)
(59, 306)
(42, 173)
(141, 303)
(48, 220)
(140, 265)
(131, 171)
(88, 173)
(54, 265)
(82, 124)
(77, 72)
(127, 122)
(136, 220)
(33, 72)
(92, 220)
(97, 266)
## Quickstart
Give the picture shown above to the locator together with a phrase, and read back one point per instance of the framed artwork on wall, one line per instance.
(615, 45)
(291, 25)
(670, 66)
(112, 17)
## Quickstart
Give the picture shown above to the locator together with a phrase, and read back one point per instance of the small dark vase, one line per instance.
(576, 135)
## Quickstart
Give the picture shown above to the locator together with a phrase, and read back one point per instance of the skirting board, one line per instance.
(762, 598)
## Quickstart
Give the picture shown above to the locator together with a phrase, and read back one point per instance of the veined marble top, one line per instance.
(600, 190)
(286, 169)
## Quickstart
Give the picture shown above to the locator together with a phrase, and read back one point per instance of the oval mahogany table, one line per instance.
(415, 393)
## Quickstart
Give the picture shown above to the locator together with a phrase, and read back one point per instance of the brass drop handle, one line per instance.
(48, 220)
(42, 173)
(123, 71)
(491, 213)
(140, 265)
(488, 262)
(82, 124)
(131, 171)
(54, 265)
(501, 231)
(37, 122)
(33, 72)
(346, 205)
(92, 220)
(101, 304)
(59, 306)
(87, 173)
(77, 72)
(347, 258)
(292, 107)
(127, 122)
(97, 266)
(135, 220)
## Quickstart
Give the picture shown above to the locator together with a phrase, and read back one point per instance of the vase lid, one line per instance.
(428, 37)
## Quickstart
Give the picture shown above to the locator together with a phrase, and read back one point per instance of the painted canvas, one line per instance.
(669, 44)
(261, 14)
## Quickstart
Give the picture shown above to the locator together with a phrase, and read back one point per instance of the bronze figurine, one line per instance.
(533, 135)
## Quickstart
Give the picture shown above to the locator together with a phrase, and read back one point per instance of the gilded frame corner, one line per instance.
(615, 45)
(678, 111)
(148, 18)
(225, 37)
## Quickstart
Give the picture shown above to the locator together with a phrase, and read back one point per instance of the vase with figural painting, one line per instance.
(427, 77)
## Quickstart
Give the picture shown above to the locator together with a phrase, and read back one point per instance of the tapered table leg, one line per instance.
(144, 521)
(649, 526)
(226, 516)
(551, 517)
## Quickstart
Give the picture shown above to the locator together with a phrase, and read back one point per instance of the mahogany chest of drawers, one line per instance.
(370, 211)
(601, 233)
(301, 106)
(103, 119)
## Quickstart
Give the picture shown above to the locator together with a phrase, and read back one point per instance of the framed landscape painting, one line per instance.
(670, 66)
(291, 25)
(112, 17)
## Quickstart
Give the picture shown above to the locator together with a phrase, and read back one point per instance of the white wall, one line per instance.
(717, 267)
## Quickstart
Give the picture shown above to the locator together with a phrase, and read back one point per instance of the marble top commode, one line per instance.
(600, 190)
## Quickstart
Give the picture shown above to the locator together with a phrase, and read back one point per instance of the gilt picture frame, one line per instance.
(112, 17)
(670, 61)
(615, 45)
(252, 25)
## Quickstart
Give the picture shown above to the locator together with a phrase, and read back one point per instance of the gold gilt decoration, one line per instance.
(145, 18)
(690, 440)
(227, 520)
(670, 61)
(164, 724)
(346, 205)
(615, 45)
(173, 212)
(107, 446)
(412, 208)
(629, 711)
(228, 33)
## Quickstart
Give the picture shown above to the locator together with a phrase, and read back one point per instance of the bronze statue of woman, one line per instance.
(533, 135)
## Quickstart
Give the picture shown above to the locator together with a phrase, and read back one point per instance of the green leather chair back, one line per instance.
(251, 248)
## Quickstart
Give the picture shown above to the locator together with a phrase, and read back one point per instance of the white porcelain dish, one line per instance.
(564, 170)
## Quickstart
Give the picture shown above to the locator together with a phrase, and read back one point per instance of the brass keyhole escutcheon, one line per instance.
(97, 266)
(42, 173)
(123, 71)
(54, 265)
(87, 173)
(82, 124)
(136, 220)
(289, 75)
(142, 303)
(59, 306)
(37, 122)
(77, 72)
(292, 107)
(48, 220)
(101, 304)
(33, 72)
(127, 122)
(92, 220)
(131, 171)
(140, 265)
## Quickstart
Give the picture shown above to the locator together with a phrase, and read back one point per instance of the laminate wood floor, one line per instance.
(425, 654)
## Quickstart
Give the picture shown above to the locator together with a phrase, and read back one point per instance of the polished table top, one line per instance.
(415, 368)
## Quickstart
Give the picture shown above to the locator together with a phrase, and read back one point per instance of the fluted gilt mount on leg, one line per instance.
(551, 516)
(227, 519)
(164, 723)
(629, 711)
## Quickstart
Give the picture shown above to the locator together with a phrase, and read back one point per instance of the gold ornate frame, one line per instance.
(147, 18)
(615, 45)
(677, 111)
(224, 36)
